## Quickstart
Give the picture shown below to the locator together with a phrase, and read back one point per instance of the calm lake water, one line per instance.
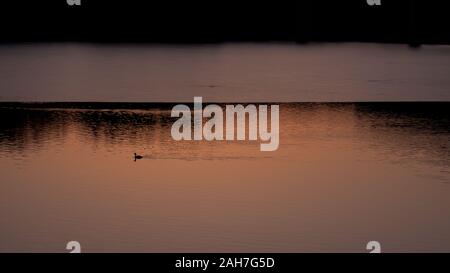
(344, 174)
(224, 72)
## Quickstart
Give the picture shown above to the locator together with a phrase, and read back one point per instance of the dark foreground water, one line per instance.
(345, 174)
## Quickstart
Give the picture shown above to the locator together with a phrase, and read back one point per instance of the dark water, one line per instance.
(345, 174)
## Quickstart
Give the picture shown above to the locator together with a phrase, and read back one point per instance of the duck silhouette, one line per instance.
(136, 156)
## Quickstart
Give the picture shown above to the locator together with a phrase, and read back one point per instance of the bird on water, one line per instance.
(136, 156)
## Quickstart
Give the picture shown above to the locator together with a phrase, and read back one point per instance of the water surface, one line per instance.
(344, 174)
(224, 72)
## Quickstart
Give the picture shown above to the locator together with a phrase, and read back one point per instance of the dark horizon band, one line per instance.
(413, 22)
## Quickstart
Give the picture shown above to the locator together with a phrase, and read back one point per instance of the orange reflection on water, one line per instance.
(344, 174)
